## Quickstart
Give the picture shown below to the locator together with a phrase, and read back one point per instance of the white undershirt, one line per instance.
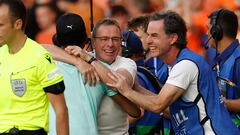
(185, 75)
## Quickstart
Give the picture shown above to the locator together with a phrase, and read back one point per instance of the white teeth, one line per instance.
(152, 48)
(109, 51)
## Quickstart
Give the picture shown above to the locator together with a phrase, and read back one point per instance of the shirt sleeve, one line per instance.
(107, 90)
(130, 66)
(127, 64)
(48, 73)
(183, 74)
(236, 73)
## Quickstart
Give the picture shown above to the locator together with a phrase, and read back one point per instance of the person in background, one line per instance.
(120, 14)
(139, 26)
(152, 62)
(46, 21)
(223, 28)
(82, 8)
(191, 90)
(149, 123)
(29, 78)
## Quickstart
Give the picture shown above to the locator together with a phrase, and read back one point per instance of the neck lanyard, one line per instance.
(227, 81)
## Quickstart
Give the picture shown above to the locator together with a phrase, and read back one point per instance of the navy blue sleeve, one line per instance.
(236, 73)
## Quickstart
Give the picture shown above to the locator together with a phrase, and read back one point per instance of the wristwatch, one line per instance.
(91, 60)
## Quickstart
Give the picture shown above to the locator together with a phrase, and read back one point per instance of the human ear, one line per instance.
(18, 24)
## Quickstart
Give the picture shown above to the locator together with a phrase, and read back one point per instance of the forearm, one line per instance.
(102, 71)
(141, 89)
(127, 106)
(233, 105)
(132, 119)
(148, 102)
(61, 111)
(166, 113)
(62, 123)
(60, 55)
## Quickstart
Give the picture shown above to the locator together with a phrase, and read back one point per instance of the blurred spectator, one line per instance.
(137, 7)
(197, 26)
(32, 28)
(82, 7)
(65, 5)
(28, 3)
(120, 14)
(139, 26)
(104, 5)
(46, 20)
(157, 5)
(237, 12)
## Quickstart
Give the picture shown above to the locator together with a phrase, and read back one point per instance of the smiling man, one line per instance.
(191, 91)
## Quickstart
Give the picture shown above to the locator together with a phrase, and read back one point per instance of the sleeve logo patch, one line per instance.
(47, 57)
(56, 72)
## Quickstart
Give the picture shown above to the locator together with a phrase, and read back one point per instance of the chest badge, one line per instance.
(18, 87)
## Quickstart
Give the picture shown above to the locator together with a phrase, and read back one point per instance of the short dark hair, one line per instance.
(141, 21)
(118, 10)
(105, 21)
(173, 23)
(228, 22)
(17, 10)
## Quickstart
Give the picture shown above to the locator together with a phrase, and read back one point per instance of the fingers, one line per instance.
(91, 77)
(73, 50)
(86, 78)
(113, 75)
(68, 49)
(115, 78)
(96, 76)
(112, 85)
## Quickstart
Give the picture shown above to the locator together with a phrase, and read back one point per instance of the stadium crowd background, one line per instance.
(42, 15)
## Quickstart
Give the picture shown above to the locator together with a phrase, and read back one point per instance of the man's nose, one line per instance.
(110, 42)
(148, 40)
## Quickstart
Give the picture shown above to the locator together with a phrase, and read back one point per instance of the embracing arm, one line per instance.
(134, 119)
(141, 89)
(132, 109)
(86, 69)
(61, 111)
(103, 72)
(128, 106)
(101, 69)
(233, 105)
(60, 55)
(155, 103)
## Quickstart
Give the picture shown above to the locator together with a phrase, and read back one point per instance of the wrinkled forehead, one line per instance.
(155, 26)
(108, 30)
